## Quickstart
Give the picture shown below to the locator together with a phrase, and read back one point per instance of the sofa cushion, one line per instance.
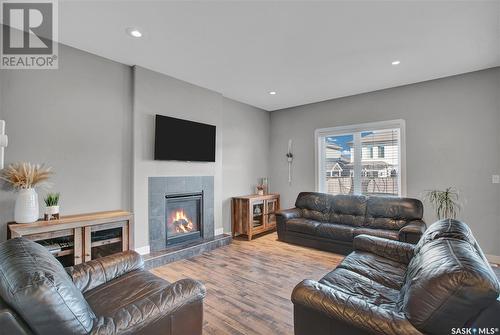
(357, 285)
(38, 288)
(137, 301)
(108, 298)
(315, 215)
(379, 269)
(348, 210)
(315, 206)
(392, 212)
(319, 202)
(335, 232)
(304, 226)
(447, 280)
(384, 233)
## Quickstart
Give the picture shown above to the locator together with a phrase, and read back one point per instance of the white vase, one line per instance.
(26, 209)
(51, 210)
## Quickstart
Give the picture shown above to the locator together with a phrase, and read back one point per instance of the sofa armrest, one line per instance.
(397, 251)
(288, 214)
(412, 232)
(11, 323)
(349, 309)
(282, 217)
(152, 308)
(91, 274)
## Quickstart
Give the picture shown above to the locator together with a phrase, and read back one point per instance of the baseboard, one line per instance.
(143, 250)
(493, 259)
(219, 231)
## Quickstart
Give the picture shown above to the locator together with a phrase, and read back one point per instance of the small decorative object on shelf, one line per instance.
(52, 206)
(265, 184)
(289, 158)
(24, 177)
(260, 189)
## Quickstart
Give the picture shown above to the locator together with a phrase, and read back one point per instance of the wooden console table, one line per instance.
(254, 214)
(74, 239)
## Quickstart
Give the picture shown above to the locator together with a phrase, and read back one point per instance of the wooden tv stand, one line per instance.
(80, 237)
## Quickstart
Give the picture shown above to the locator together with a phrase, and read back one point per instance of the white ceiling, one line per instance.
(306, 51)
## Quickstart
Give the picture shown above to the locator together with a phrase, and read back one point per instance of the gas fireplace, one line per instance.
(183, 217)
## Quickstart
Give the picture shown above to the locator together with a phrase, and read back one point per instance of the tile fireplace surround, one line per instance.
(159, 187)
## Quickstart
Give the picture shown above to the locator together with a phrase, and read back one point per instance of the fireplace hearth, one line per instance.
(183, 217)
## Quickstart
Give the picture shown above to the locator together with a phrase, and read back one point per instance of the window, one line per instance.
(361, 159)
(381, 152)
(370, 150)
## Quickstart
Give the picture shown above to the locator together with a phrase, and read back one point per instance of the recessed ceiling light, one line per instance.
(396, 62)
(134, 32)
(272, 93)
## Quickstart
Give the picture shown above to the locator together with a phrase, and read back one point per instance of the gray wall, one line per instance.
(76, 119)
(452, 139)
(155, 93)
(245, 158)
(242, 144)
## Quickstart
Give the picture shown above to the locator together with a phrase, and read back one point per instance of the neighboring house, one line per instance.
(335, 164)
(379, 154)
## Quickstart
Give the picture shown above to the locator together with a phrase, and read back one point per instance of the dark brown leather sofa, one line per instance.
(109, 295)
(442, 285)
(330, 222)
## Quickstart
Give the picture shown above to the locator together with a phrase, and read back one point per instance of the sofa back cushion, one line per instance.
(315, 206)
(448, 282)
(348, 210)
(392, 212)
(37, 287)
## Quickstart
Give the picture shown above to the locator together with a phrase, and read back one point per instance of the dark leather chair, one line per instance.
(109, 295)
(330, 222)
(389, 287)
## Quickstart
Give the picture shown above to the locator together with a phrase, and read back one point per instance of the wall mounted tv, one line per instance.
(183, 140)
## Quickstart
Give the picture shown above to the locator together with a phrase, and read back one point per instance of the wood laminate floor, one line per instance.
(249, 283)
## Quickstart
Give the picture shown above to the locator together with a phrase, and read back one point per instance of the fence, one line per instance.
(369, 185)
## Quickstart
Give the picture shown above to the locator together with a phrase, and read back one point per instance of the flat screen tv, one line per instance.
(183, 140)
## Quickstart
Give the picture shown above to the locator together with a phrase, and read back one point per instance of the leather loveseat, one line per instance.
(442, 285)
(330, 222)
(109, 295)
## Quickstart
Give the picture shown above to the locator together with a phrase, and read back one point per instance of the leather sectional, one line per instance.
(441, 285)
(331, 222)
(109, 295)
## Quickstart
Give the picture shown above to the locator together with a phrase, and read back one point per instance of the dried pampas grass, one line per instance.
(25, 175)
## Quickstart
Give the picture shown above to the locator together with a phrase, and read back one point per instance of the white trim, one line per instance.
(143, 250)
(219, 231)
(493, 259)
(321, 133)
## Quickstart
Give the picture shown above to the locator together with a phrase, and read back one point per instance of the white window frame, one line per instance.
(319, 154)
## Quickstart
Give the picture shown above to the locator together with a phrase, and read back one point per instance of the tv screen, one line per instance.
(183, 140)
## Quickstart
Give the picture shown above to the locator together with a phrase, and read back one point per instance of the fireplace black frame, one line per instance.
(186, 237)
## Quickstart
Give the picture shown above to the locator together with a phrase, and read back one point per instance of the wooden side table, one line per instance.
(79, 238)
(254, 214)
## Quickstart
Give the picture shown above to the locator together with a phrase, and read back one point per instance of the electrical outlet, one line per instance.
(495, 179)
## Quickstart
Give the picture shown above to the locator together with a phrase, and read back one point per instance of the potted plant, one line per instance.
(445, 203)
(51, 206)
(23, 177)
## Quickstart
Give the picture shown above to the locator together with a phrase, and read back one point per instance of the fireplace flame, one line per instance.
(182, 222)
